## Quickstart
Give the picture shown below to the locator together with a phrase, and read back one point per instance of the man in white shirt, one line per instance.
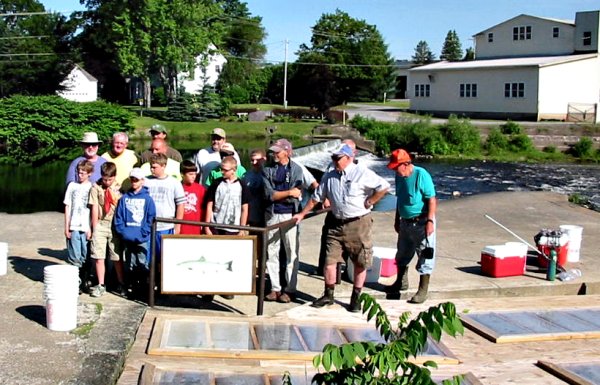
(352, 191)
(207, 159)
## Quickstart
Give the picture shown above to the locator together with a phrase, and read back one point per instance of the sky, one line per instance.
(402, 23)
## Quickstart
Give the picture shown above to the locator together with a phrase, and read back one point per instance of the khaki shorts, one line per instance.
(105, 240)
(353, 239)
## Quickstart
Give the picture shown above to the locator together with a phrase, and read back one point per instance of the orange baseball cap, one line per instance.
(398, 156)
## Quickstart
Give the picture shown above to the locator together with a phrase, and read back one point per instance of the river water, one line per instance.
(27, 189)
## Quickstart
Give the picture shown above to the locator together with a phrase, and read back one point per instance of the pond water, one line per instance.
(28, 189)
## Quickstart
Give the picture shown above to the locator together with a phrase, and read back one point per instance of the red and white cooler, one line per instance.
(504, 260)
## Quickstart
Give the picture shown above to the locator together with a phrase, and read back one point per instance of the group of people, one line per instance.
(112, 202)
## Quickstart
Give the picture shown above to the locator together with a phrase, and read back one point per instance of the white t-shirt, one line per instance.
(76, 198)
(207, 160)
(167, 193)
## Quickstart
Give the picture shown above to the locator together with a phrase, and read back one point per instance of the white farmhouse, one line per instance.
(526, 68)
(207, 71)
(79, 86)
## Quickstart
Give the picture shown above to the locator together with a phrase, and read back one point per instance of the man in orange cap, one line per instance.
(414, 223)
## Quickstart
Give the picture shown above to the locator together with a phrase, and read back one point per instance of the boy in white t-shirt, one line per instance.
(77, 215)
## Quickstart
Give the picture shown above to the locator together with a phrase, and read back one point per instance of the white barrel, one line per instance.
(61, 314)
(61, 293)
(575, 234)
(3, 258)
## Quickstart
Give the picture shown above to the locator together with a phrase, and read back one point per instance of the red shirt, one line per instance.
(194, 207)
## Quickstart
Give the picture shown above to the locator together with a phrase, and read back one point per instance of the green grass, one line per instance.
(291, 130)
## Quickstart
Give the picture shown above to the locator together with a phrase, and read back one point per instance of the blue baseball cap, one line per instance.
(344, 150)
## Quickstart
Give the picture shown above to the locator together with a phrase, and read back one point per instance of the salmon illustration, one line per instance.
(205, 265)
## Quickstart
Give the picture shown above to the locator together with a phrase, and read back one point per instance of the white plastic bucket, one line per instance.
(3, 258)
(61, 314)
(61, 293)
(575, 234)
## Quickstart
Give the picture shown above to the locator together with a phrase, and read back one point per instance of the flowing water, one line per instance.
(27, 189)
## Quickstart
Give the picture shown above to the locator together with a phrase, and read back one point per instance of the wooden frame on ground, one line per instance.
(265, 339)
(206, 264)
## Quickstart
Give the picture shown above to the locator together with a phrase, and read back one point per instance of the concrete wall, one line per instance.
(574, 82)
(541, 44)
(490, 98)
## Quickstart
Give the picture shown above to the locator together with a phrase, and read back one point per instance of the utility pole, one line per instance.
(285, 76)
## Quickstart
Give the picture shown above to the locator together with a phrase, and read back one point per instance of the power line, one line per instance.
(23, 37)
(27, 54)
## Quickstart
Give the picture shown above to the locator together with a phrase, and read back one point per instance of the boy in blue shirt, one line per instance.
(133, 222)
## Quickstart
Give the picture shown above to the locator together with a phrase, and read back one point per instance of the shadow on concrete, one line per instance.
(30, 268)
(58, 254)
(475, 270)
(35, 313)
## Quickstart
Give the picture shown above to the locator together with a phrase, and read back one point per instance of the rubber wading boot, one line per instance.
(326, 299)
(401, 282)
(421, 294)
(354, 302)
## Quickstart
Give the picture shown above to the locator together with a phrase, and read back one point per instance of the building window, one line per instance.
(422, 90)
(587, 38)
(522, 33)
(514, 90)
(555, 32)
(490, 37)
(468, 90)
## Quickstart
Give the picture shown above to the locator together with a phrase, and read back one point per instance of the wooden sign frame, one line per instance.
(563, 372)
(208, 264)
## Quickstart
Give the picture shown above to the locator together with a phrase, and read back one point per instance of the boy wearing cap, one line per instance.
(283, 193)
(133, 219)
(352, 191)
(209, 158)
(89, 144)
(415, 224)
(158, 131)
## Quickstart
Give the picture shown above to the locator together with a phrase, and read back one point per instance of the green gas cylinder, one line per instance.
(551, 273)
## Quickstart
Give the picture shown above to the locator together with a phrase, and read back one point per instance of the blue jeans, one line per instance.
(411, 240)
(77, 247)
(135, 255)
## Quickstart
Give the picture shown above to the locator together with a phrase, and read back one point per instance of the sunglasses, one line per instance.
(336, 158)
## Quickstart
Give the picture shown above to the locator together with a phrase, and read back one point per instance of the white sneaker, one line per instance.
(98, 291)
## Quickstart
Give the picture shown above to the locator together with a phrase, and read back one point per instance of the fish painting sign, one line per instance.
(206, 264)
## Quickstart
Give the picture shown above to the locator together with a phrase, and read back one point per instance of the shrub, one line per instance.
(367, 362)
(461, 135)
(584, 148)
(41, 128)
(550, 149)
(511, 128)
(520, 142)
(496, 142)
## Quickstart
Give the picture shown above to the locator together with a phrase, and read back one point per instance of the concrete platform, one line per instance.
(32, 354)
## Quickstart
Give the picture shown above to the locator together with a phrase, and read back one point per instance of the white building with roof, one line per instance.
(528, 68)
(79, 86)
(207, 71)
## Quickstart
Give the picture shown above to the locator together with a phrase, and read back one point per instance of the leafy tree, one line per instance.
(365, 362)
(423, 54)
(451, 51)
(469, 54)
(163, 37)
(36, 49)
(243, 43)
(347, 60)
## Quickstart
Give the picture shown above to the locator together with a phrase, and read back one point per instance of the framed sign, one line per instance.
(207, 264)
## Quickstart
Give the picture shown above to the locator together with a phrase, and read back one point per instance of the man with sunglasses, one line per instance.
(415, 224)
(352, 191)
(89, 144)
